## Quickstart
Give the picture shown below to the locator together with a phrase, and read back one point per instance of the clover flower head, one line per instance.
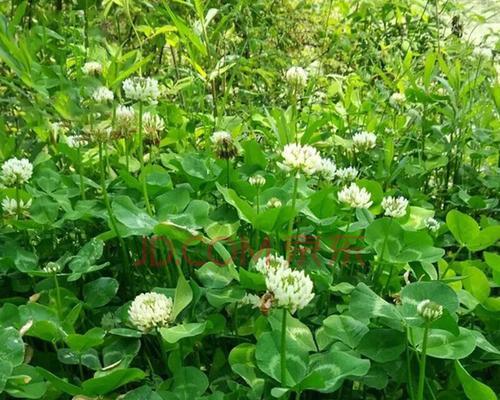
(92, 68)
(125, 117)
(395, 206)
(300, 159)
(291, 289)
(76, 141)
(432, 224)
(141, 89)
(100, 133)
(355, 197)
(250, 299)
(257, 180)
(10, 207)
(103, 95)
(150, 310)
(363, 141)
(328, 169)
(153, 124)
(52, 268)
(296, 76)
(347, 174)
(429, 310)
(273, 202)
(16, 171)
(397, 99)
(224, 145)
(58, 127)
(271, 262)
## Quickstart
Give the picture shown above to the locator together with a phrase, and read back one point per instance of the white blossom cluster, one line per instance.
(150, 310)
(355, 197)
(296, 76)
(429, 310)
(125, 117)
(92, 68)
(141, 89)
(257, 180)
(219, 137)
(363, 141)
(16, 171)
(395, 206)
(10, 207)
(52, 268)
(250, 299)
(347, 174)
(273, 202)
(152, 124)
(225, 147)
(300, 159)
(103, 95)
(328, 169)
(397, 99)
(290, 289)
(432, 224)
(76, 141)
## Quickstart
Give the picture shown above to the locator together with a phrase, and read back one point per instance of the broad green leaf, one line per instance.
(5, 371)
(183, 296)
(493, 261)
(345, 329)
(476, 282)
(178, 332)
(444, 344)
(463, 227)
(100, 292)
(137, 221)
(189, 383)
(107, 382)
(12, 346)
(382, 345)
(242, 361)
(295, 330)
(474, 389)
(93, 337)
(268, 358)
(366, 304)
(215, 276)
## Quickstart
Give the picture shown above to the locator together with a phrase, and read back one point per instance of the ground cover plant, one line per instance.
(248, 200)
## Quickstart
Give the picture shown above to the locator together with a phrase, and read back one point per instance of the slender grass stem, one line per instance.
(288, 246)
(283, 347)
(18, 203)
(80, 172)
(58, 296)
(423, 358)
(141, 159)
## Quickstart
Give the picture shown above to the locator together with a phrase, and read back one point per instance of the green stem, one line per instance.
(58, 296)
(18, 203)
(227, 172)
(408, 367)
(112, 221)
(80, 172)
(283, 347)
(292, 220)
(141, 159)
(421, 377)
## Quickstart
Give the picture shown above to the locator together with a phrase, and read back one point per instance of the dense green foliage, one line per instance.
(388, 285)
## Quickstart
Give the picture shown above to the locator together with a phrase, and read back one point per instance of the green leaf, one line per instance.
(189, 383)
(268, 358)
(93, 337)
(12, 346)
(245, 210)
(215, 276)
(382, 345)
(183, 296)
(242, 361)
(137, 221)
(463, 227)
(474, 389)
(295, 330)
(493, 261)
(100, 292)
(107, 382)
(476, 282)
(345, 329)
(334, 367)
(444, 344)
(5, 371)
(486, 238)
(366, 304)
(178, 332)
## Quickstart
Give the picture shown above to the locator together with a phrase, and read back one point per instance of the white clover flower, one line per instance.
(224, 145)
(397, 99)
(257, 180)
(429, 310)
(292, 289)
(395, 206)
(152, 124)
(10, 207)
(141, 89)
(76, 141)
(315, 69)
(297, 159)
(150, 310)
(125, 117)
(16, 172)
(273, 202)
(92, 68)
(432, 224)
(347, 174)
(58, 128)
(297, 77)
(250, 299)
(355, 197)
(103, 95)
(328, 169)
(100, 133)
(363, 141)
(271, 262)
(52, 268)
